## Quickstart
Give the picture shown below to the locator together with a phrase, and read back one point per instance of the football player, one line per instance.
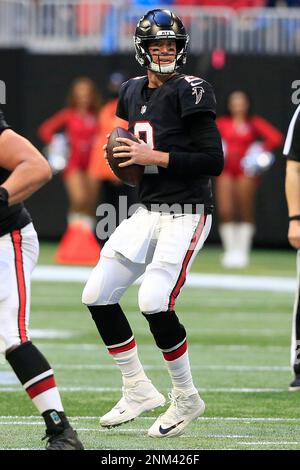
(292, 186)
(23, 170)
(180, 147)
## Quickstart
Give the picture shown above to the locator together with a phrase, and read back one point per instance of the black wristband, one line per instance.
(3, 197)
(294, 217)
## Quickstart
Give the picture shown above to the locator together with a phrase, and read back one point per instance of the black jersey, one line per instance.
(16, 216)
(159, 119)
(292, 143)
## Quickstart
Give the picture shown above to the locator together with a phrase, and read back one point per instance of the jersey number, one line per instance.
(145, 132)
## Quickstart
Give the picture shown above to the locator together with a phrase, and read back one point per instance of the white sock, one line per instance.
(49, 400)
(43, 392)
(180, 370)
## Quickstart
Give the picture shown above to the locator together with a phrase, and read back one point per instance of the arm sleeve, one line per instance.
(292, 143)
(208, 157)
(272, 137)
(52, 125)
(3, 123)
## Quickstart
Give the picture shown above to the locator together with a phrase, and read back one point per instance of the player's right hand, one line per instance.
(294, 234)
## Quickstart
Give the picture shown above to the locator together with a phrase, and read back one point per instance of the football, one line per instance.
(130, 175)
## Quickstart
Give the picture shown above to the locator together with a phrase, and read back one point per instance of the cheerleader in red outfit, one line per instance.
(235, 188)
(79, 122)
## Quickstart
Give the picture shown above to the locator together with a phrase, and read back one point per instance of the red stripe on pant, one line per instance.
(119, 349)
(171, 356)
(40, 387)
(182, 275)
(17, 244)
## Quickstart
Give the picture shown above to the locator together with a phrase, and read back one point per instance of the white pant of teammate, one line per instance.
(160, 245)
(18, 256)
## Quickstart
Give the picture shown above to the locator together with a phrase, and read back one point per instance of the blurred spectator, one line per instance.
(78, 120)
(107, 120)
(104, 180)
(236, 187)
(90, 16)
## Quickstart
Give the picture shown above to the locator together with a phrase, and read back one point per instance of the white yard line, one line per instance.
(117, 389)
(219, 347)
(147, 418)
(67, 334)
(268, 443)
(220, 281)
(52, 334)
(244, 368)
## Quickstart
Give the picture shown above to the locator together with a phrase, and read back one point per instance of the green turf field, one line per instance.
(239, 350)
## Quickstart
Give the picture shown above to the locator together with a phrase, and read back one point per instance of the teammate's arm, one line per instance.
(29, 169)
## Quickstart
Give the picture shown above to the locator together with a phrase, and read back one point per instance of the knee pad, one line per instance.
(92, 289)
(101, 288)
(166, 329)
(153, 296)
(8, 337)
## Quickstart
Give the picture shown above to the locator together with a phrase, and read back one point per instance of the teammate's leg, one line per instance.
(164, 278)
(19, 252)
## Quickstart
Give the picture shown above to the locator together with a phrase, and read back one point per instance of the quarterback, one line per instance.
(173, 115)
(23, 170)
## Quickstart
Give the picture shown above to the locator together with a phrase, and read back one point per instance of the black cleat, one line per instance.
(66, 440)
(295, 385)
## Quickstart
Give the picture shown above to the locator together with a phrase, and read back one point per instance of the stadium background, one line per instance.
(238, 326)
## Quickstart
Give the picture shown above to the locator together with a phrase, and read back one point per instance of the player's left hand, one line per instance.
(138, 152)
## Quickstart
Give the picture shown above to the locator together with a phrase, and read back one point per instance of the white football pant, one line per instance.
(19, 252)
(160, 246)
